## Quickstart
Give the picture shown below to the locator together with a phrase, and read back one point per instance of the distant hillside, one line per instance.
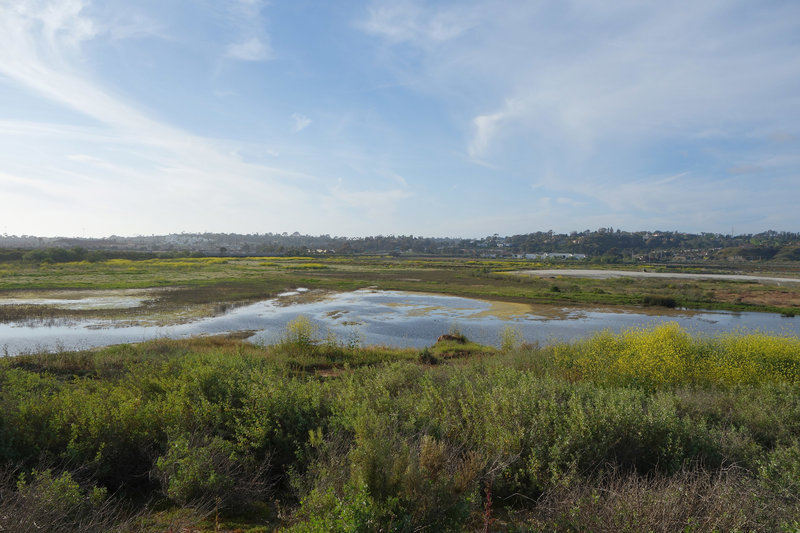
(604, 245)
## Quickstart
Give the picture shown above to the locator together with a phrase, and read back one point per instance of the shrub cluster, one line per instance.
(650, 429)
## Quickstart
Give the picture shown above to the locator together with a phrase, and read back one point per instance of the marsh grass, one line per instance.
(209, 284)
(303, 348)
(455, 344)
(692, 500)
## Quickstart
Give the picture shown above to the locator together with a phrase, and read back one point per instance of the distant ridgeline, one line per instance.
(604, 245)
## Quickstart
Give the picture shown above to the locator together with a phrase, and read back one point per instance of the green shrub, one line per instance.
(387, 443)
(780, 471)
(659, 301)
(198, 470)
(426, 357)
(300, 334)
(59, 495)
(510, 339)
(44, 501)
(190, 471)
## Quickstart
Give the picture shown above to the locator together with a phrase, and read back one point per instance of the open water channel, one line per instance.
(382, 317)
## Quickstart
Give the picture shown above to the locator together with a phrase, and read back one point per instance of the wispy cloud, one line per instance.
(116, 166)
(376, 204)
(301, 122)
(416, 23)
(253, 42)
(597, 89)
(485, 130)
(40, 49)
(251, 49)
(144, 113)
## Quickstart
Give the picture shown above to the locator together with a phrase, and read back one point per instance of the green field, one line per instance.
(647, 430)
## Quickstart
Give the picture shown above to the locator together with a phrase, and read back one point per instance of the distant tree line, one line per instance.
(77, 253)
(605, 245)
(608, 245)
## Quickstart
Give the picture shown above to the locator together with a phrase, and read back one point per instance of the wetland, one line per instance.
(366, 316)
(372, 300)
(395, 394)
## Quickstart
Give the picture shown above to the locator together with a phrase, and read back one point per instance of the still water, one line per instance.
(390, 318)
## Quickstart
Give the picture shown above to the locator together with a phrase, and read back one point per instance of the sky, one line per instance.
(443, 118)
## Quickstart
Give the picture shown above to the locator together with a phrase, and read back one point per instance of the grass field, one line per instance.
(646, 430)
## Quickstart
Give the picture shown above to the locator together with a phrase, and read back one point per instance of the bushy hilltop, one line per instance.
(601, 245)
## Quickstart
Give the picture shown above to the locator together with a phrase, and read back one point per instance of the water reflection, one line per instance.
(387, 317)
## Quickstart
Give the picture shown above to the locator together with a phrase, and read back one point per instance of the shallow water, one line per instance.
(66, 299)
(387, 317)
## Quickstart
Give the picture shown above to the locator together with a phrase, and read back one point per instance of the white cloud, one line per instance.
(62, 21)
(376, 204)
(126, 172)
(485, 129)
(409, 21)
(301, 122)
(132, 171)
(252, 49)
(584, 73)
(399, 179)
(592, 102)
(253, 43)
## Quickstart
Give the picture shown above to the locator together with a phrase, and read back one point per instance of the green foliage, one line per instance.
(510, 339)
(426, 357)
(57, 499)
(780, 470)
(62, 493)
(666, 356)
(455, 344)
(659, 301)
(191, 472)
(300, 334)
(354, 511)
(392, 442)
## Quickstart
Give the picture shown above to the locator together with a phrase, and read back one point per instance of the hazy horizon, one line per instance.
(457, 119)
(654, 232)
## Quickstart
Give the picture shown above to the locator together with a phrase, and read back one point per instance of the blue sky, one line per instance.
(462, 118)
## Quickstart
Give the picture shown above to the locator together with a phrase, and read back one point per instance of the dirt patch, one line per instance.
(770, 298)
(605, 274)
